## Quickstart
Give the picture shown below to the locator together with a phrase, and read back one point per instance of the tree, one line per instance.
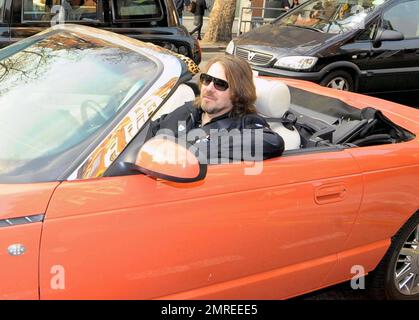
(221, 21)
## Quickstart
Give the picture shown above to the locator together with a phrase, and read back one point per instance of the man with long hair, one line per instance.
(226, 103)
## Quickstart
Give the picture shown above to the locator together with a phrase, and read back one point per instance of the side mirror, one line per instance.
(387, 35)
(163, 158)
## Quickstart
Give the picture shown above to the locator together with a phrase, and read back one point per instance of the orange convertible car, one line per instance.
(88, 209)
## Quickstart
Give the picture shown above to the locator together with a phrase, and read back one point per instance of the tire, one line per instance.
(340, 80)
(384, 283)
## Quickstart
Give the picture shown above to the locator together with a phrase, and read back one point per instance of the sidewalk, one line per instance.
(213, 46)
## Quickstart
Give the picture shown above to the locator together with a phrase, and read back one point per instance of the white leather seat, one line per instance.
(357, 9)
(273, 100)
(183, 94)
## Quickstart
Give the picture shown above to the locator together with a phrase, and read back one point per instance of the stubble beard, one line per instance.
(211, 110)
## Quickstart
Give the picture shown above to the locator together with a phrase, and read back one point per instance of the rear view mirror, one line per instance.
(163, 158)
(387, 35)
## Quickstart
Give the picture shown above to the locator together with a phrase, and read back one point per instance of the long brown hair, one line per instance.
(240, 80)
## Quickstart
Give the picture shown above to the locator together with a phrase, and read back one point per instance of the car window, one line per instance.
(62, 10)
(403, 17)
(369, 32)
(137, 9)
(58, 93)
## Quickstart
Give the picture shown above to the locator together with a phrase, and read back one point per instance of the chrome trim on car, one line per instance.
(254, 57)
(10, 222)
(16, 249)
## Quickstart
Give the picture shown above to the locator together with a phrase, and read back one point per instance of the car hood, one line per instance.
(22, 200)
(283, 40)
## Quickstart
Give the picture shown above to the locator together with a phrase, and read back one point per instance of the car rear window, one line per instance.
(137, 10)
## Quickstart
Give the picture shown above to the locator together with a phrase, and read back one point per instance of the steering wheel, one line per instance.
(99, 117)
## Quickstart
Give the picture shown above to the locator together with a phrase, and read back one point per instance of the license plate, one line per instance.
(255, 73)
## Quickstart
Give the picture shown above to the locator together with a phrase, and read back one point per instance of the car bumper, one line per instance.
(272, 72)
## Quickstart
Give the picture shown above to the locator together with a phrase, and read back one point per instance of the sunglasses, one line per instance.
(219, 84)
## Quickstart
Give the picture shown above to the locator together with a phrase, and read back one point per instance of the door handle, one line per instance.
(330, 193)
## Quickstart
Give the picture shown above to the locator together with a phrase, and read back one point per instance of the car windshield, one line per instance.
(330, 16)
(57, 93)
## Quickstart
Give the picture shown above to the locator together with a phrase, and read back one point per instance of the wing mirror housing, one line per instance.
(163, 158)
(387, 35)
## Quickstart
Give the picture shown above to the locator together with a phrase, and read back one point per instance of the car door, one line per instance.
(22, 210)
(359, 51)
(394, 65)
(31, 16)
(273, 234)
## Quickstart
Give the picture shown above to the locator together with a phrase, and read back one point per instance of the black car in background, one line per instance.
(366, 46)
(154, 21)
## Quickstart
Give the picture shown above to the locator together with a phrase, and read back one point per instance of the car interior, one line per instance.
(307, 121)
(324, 121)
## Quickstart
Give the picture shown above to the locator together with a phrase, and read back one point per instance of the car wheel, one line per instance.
(340, 80)
(397, 276)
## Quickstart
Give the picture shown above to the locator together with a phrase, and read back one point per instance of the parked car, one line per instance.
(365, 46)
(90, 208)
(155, 21)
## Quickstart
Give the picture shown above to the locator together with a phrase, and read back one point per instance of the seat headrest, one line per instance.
(273, 98)
(357, 9)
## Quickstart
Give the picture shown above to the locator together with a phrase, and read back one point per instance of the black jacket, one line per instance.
(184, 120)
(180, 5)
(284, 3)
(201, 6)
